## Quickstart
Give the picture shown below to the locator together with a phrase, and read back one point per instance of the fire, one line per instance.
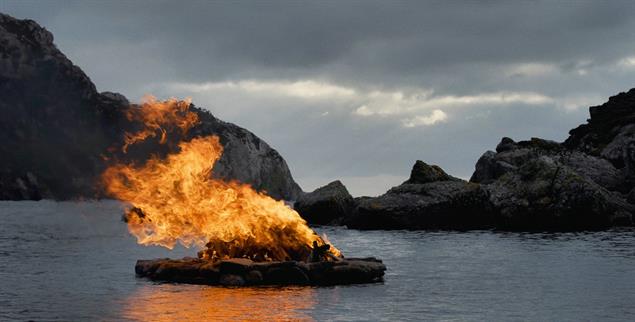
(176, 200)
(158, 118)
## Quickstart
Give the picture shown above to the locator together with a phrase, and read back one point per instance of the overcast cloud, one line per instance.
(360, 90)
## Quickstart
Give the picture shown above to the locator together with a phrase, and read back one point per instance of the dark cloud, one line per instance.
(570, 53)
(372, 39)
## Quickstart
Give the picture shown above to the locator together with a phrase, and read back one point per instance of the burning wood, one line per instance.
(321, 253)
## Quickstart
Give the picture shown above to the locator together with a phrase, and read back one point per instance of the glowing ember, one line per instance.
(176, 200)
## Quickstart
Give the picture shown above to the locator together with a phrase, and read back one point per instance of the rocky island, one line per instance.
(584, 183)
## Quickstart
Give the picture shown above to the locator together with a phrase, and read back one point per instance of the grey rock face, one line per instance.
(443, 204)
(488, 168)
(598, 170)
(546, 194)
(325, 204)
(248, 159)
(491, 166)
(541, 184)
(610, 134)
(56, 126)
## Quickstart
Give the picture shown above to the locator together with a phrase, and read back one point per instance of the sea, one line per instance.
(74, 261)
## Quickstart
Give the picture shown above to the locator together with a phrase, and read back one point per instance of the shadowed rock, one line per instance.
(610, 134)
(325, 204)
(544, 194)
(527, 185)
(20, 187)
(239, 272)
(493, 165)
(425, 173)
(439, 201)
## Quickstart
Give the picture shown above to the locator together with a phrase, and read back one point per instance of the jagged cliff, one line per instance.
(610, 134)
(55, 126)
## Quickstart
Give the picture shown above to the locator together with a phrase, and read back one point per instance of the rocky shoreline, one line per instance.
(584, 183)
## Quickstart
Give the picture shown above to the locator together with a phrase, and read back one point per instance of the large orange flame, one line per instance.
(158, 118)
(176, 200)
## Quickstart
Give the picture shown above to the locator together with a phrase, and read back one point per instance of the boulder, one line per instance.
(488, 168)
(287, 275)
(186, 270)
(325, 204)
(209, 271)
(238, 266)
(231, 280)
(505, 145)
(254, 277)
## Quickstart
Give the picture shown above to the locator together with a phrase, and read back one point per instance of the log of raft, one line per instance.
(244, 272)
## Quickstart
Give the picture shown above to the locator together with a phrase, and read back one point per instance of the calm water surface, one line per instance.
(75, 261)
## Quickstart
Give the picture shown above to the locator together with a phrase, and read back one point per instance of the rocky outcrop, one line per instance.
(510, 156)
(50, 125)
(540, 184)
(429, 199)
(326, 204)
(610, 134)
(585, 183)
(424, 173)
(56, 127)
(244, 272)
(527, 185)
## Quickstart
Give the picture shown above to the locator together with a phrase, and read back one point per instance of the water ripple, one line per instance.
(74, 261)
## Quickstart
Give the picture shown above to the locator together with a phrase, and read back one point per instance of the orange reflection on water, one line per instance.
(168, 302)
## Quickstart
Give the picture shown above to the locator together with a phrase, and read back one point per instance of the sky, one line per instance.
(359, 90)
